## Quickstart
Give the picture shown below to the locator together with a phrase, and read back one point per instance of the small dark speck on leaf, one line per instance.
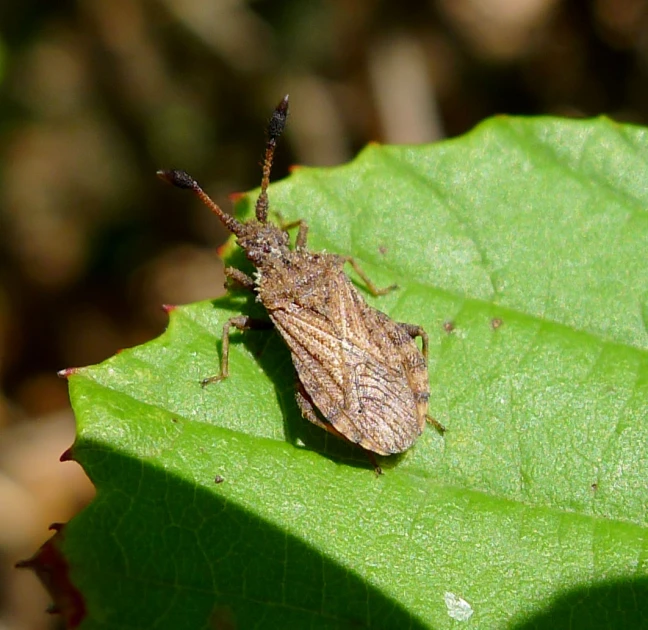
(218, 479)
(496, 323)
(448, 326)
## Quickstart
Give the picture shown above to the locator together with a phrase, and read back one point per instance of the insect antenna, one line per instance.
(275, 128)
(180, 179)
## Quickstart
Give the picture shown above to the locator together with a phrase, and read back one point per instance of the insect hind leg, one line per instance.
(417, 331)
(307, 408)
(436, 424)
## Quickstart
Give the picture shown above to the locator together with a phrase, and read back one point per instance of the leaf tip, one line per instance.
(221, 249)
(169, 308)
(235, 197)
(67, 372)
(67, 455)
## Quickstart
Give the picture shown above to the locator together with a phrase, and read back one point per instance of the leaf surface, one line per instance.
(521, 250)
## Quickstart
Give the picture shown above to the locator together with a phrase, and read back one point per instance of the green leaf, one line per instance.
(521, 248)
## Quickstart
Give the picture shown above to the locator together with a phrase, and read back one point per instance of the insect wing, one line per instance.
(347, 367)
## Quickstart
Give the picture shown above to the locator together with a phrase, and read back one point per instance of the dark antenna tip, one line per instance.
(179, 179)
(278, 120)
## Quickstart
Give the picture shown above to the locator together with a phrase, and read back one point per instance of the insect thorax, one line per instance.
(298, 277)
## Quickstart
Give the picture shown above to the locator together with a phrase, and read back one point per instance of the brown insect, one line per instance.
(362, 370)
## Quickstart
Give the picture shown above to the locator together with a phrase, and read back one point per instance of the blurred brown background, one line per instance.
(96, 95)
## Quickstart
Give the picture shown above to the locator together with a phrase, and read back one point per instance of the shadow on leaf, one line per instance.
(612, 605)
(154, 549)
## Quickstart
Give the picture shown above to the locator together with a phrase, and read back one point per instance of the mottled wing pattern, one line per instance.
(362, 370)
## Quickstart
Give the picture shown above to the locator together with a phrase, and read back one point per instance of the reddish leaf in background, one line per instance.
(53, 571)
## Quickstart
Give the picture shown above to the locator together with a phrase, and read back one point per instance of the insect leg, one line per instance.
(242, 322)
(436, 424)
(302, 234)
(417, 331)
(373, 289)
(240, 278)
(307, 408)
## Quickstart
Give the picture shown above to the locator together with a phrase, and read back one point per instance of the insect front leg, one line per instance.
(236, 276)
(302, 233)
(373, 289)
(241, 322)
(307, 408)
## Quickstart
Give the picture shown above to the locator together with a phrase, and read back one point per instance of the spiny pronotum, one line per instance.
(362, 371)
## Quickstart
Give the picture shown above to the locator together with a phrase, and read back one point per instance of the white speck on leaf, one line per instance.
(458, 608)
